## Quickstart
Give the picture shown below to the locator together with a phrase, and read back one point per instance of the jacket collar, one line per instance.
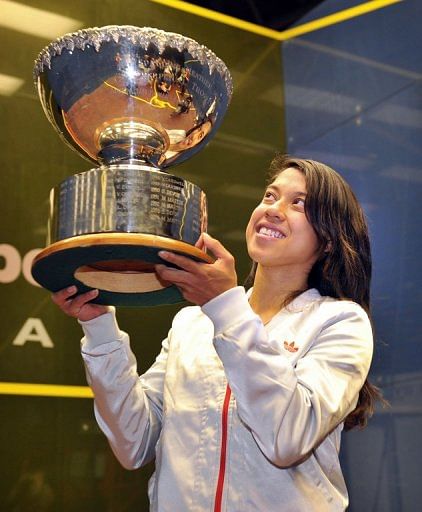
(301, 302)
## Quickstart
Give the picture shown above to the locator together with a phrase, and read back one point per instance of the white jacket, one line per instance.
(293, 382)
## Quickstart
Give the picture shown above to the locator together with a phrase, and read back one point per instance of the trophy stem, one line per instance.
(132, 140)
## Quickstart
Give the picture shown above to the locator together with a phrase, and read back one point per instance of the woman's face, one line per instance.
(197, 135)
(278, 233)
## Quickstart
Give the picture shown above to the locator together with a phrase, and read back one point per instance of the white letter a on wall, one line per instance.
(33, 330)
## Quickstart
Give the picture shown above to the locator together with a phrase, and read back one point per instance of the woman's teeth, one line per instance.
(270, 232)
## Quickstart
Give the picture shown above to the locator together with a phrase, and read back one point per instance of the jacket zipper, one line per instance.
(223, 450)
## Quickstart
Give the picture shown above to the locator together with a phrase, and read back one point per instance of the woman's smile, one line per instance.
(268, 232)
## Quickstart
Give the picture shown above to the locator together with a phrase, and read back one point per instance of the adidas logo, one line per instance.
(290, 346)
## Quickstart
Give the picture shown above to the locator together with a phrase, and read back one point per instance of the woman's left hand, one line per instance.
(200, 282)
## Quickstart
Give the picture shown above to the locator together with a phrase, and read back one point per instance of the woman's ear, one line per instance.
(328, 247)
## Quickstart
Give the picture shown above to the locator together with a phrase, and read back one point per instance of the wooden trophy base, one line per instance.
(119, 265)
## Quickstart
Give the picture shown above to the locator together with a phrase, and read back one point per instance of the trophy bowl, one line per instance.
(135, 101)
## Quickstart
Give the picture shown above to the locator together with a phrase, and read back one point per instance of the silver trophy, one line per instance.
(135, 101)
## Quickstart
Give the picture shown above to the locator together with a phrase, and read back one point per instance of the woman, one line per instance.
(244, 407)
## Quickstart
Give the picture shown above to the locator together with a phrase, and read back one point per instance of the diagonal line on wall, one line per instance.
(284, 35)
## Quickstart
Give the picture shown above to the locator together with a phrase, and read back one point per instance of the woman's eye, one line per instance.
(299, 201)
(268, 195)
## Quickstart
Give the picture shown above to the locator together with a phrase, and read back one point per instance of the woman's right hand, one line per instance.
(78, 306)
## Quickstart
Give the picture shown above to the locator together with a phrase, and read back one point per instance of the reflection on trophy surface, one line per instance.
(136, 101)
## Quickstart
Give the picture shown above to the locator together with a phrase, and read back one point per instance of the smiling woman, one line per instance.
(244, 407)
(342, 268)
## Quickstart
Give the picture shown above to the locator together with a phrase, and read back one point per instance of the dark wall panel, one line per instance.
(354, 100)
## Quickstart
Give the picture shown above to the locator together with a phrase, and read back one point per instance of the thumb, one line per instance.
(216, 247)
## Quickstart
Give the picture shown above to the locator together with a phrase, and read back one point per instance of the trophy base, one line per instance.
(119, 265)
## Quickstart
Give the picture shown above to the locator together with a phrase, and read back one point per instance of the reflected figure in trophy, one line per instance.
(181, 140)
(193, 136)
(184, 104)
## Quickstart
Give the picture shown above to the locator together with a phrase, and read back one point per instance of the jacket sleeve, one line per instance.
(291, 409)
(128, 408)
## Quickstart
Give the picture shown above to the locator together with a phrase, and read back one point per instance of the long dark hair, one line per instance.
(344, 267)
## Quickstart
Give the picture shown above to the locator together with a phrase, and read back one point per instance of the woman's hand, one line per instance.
(200, 282)
(78, 307)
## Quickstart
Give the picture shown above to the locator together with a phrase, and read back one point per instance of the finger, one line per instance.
(181, 261)
(172, 275)
(200, 244)
(75, 305)
(62, 296)
(82, 299)
(216, 247)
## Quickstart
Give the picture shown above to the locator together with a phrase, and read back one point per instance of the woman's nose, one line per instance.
(275, 210)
